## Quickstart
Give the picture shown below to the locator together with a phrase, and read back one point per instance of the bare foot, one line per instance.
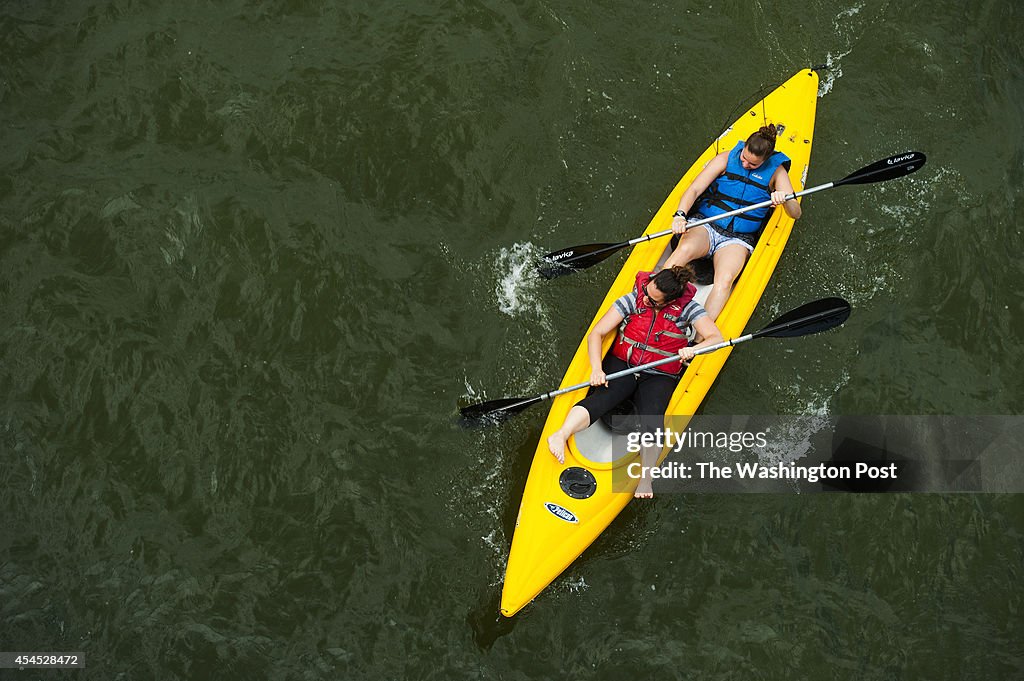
(643, 490)
(556, 443)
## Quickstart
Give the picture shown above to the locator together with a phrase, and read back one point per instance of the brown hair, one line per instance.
(762, 142)
(672, 282)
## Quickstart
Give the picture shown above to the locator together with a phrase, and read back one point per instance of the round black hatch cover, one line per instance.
(578, 483)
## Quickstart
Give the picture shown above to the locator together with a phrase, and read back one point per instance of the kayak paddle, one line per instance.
(810, 318)
(575, 258)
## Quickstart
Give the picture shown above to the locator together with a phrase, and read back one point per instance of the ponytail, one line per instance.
(672, 282)
(762, 142)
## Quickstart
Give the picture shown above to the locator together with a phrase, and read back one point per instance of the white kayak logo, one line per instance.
(560, 512)
(900, 159)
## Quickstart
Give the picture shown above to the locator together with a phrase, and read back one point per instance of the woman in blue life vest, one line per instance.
(752, 172)
(651, 322)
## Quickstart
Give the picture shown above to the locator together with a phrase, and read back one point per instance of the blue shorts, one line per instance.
(716, 239)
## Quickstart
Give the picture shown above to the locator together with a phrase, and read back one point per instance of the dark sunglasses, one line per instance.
(651, 301)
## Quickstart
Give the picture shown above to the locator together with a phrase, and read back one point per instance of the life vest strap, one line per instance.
(647, 348)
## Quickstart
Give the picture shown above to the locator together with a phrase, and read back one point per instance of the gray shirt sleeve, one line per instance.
(626, 305)
(692, 312)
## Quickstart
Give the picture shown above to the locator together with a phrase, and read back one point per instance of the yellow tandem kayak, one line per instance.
(554, 526)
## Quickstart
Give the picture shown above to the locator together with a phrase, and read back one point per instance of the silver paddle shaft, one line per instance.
(642, 367)
(738, 211)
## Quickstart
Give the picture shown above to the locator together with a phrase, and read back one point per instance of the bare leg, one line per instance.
(693, 244)
(576, 420)
(729, 262)
(649, 459)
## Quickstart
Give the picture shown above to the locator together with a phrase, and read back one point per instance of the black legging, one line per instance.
(651, 393)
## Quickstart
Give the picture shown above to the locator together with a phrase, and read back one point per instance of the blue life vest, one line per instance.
(738, 187)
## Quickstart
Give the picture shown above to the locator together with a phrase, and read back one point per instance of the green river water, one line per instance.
(254, 254)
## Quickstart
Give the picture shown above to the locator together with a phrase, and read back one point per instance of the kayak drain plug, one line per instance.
(578, 483)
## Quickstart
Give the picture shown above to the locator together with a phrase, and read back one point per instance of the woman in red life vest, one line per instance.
(752, 172)
(652, 322)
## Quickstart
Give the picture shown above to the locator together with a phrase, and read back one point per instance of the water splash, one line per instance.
(517, 284)
(471, 392)
(846, 13)
(835, 69)
(576, 584)
(792, 440)
(914, 196)
(495, 541)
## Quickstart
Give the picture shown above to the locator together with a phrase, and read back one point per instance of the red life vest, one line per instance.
(649, 334)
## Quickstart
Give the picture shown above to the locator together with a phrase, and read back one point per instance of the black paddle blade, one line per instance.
(553, 270)
(494, 411)
(814, 317)
(886, 169)
(569, 260)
